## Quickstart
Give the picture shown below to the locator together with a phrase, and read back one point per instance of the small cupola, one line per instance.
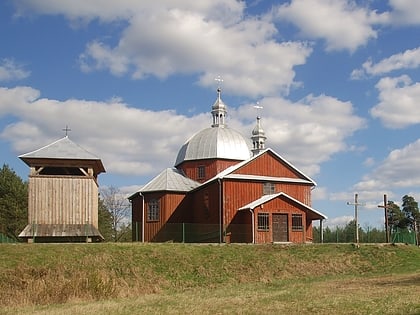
(219, 111)
(258, 138)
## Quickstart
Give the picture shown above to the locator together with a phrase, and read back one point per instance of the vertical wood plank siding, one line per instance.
(268, 165)
(212, 168)
(63, 200)
(169, 202)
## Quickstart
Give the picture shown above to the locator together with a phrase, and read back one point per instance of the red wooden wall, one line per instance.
(212, 168)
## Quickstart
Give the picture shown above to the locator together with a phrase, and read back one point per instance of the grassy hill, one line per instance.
(206, 279)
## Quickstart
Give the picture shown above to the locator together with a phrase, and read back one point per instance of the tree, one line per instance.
(118, 206)
(396, 218)
(410, 208)
(13, 203)
(105, 221)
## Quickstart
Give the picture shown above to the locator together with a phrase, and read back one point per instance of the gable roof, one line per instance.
(228, 173)
(170, 179)
(266, 198)
(62, 149)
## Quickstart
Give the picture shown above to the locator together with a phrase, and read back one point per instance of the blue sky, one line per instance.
(338, 81)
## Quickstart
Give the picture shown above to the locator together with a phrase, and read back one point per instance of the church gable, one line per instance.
(270, 164)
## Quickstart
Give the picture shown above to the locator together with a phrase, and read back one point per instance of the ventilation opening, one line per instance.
(71, 171)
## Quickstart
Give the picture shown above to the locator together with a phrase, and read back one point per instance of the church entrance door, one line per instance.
(280, 230)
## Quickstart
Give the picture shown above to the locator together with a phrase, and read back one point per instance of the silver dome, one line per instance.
(215, 143)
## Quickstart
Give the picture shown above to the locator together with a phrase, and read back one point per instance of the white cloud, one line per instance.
(316, 124)
(395, 172)
(338, 221)
(129, 142)
(398, 102)
(125, 138)
(319, 193)
(409, 59)
(405, 12)
(341, 23)
(10, 70)
(395, 176)
(206, 38)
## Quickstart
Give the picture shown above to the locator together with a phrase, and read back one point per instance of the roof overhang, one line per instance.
(315, 214)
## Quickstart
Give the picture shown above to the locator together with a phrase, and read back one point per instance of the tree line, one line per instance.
(403, 226)
(112, 212)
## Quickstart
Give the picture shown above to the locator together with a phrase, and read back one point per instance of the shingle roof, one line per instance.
(170, 179)
(63, 149)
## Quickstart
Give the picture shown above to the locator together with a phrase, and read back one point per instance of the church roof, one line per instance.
(170, 179)
(62, 149)
(266, 198)
(228, 173)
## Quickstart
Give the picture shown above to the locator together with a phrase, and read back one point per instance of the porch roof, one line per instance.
(266, 198)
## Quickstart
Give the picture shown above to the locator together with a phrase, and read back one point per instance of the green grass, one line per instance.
(208, 279)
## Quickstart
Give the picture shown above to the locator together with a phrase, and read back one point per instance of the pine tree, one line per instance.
(13, 203)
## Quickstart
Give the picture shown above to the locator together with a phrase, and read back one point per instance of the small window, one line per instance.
(263, 222)
(269, 188)
(153, 212)
(297, 224)
(201, 172)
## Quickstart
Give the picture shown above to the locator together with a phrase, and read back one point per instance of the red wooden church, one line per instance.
(224, 188)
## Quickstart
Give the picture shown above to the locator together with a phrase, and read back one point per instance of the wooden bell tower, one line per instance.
(63, 194)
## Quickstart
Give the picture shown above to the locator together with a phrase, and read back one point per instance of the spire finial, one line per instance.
(219, 85)
(258, 108)
(67, 129)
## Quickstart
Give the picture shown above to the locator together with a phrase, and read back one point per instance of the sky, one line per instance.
(338, 80)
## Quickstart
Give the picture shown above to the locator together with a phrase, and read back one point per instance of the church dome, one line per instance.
(217, 142)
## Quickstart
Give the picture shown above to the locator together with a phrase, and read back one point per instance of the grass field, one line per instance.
(209, 279)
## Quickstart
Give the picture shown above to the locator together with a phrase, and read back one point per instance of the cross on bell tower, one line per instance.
(67, 129)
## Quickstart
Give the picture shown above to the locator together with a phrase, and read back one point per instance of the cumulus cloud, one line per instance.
(405, 12)
(409, 59)
(10, 70)
(133, 141)
(394, 176)
(318, 124)
(125, 138)
(205, 38)
(341, 23)
(398, 102)
(396, 171)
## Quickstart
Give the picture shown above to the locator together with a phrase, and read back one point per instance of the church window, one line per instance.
(201, 172)
(263, 221)
(269, 188)
(153, 212)
(297, 223)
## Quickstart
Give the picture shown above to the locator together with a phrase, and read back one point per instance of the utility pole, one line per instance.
(356, 204)
(386, 207)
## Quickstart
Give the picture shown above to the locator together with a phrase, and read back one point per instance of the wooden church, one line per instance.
(225, 188)
(63, 194)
